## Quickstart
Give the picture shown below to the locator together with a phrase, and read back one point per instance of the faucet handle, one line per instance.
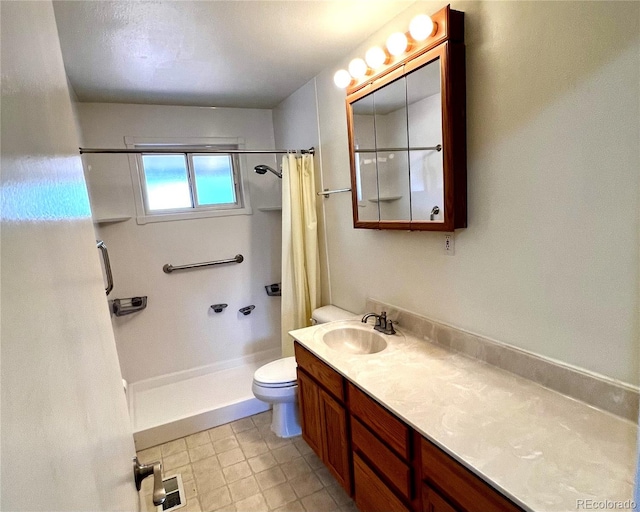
(390, 329)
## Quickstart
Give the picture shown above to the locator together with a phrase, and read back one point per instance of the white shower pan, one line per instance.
(179, 404)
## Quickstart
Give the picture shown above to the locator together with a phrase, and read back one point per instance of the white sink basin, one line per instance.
(355, 340)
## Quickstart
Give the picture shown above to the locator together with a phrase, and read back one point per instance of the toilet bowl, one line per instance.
(276, 382)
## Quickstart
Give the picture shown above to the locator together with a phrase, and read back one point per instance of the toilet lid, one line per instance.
(281, 371)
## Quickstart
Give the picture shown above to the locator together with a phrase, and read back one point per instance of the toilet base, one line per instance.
(285, 422)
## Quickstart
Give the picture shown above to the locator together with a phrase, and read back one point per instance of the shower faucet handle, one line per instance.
(142, 471)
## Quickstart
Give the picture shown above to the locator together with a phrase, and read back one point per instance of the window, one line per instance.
(189, 185)
(189, 180)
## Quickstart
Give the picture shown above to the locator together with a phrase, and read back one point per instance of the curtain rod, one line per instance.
(191, 149)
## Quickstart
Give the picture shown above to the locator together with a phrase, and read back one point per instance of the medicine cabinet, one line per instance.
(407, 136)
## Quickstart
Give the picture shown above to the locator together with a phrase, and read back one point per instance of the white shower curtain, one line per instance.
(300, 259)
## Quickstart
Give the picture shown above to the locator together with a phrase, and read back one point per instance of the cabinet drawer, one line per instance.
(459, 484)
(324, 374)
(433, 502)
(387, 427)
(372, 495)
(382, 458)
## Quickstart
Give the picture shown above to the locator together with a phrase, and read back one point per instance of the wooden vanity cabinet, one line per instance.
(379, 460)
(323, 414)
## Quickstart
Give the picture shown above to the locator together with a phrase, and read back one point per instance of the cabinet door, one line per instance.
(433, 502)
(309, 401)
(336, 445)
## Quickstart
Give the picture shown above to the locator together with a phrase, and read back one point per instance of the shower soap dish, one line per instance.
(123, 307)
(247, 311)
(273, 290)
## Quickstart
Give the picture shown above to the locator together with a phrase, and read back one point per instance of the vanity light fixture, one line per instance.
(342, 78)
(357, 68)
(397, 43)
(375, 57)
(421, 27)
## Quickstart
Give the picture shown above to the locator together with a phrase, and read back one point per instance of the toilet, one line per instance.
(276, 382)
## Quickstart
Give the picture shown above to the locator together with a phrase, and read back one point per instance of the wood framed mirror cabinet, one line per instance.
(406, 124)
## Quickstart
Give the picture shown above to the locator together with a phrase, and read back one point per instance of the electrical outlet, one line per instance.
(449, 245)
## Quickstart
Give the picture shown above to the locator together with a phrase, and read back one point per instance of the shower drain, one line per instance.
(175, 494)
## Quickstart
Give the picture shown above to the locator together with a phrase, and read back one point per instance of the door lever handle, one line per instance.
(142, 471)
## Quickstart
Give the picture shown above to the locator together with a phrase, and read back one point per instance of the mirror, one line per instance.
(407, 142)
(426, 170)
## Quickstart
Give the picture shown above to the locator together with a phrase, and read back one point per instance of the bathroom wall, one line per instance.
(549, 261)
(178, 331)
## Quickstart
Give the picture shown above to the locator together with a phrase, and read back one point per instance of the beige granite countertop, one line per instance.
(542, 449)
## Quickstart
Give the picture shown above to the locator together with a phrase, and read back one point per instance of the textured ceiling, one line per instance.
(208, 53)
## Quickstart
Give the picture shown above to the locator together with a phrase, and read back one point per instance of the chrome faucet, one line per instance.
(382, 324)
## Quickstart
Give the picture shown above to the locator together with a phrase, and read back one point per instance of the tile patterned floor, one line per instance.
(243, 467)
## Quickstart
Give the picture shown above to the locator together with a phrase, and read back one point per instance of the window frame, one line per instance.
(235, 176)
(144, 215)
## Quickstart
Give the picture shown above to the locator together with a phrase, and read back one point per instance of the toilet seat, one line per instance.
(276, 386)
(277, 374)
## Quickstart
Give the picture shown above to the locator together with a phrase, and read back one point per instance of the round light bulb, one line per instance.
(357, 68)
(421, 27)
(397, 43)
(342, 78)
(375, 57)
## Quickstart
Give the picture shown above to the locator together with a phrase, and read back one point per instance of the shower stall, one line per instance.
(189, 366)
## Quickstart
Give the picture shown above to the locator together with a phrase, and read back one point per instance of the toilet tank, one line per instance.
(331, 313)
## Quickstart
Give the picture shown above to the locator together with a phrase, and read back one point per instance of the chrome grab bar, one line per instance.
(168, 268)
(326, 192)
(107, 266)
(142, 471)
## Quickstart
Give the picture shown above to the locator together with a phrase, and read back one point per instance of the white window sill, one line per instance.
(202, 214)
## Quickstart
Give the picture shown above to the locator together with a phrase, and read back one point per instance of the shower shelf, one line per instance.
(110, 220)
(123, 307)
(273, 290)
(384, 199)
